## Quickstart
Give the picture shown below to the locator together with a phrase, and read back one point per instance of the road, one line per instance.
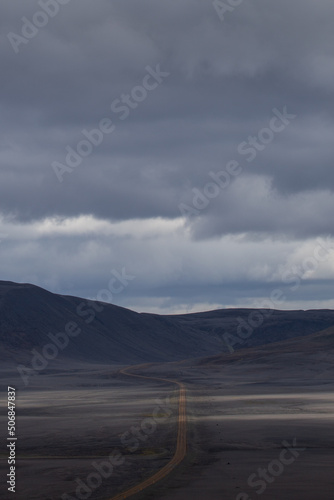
(181, 443)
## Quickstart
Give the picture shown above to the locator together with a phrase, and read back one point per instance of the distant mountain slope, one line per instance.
(298, 351)
(253, 327)
(108, 333)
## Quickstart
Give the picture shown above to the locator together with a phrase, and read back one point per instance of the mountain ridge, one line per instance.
(110, 333)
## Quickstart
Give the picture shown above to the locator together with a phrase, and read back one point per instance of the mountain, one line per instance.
(108, 333)
(242, 328)
(310, 358)
(33, 318)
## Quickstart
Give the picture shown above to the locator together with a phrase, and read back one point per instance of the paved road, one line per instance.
(181, 444)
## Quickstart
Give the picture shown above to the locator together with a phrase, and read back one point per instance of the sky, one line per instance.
(171, 156)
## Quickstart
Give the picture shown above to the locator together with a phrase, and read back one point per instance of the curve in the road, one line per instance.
(181, 443)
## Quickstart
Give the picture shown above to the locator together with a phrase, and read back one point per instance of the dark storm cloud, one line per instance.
(225, 78)
(264, 211)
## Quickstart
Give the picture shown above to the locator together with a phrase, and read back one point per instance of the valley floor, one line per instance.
(79, 425)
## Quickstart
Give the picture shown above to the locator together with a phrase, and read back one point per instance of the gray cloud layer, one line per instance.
(225, 78)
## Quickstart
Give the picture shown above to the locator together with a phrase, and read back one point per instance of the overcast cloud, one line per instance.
(207, 88)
